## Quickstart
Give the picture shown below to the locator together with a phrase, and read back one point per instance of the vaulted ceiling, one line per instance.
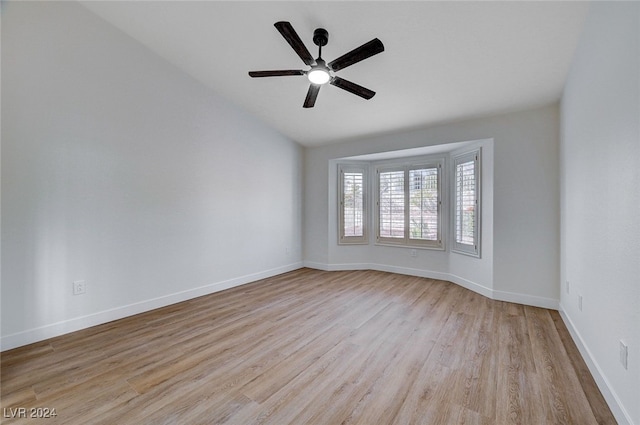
(443, 61)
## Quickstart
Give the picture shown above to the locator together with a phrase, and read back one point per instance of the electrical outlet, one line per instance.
(580, 302)
(624, 353)
(567, 286)
(414, 253)
(79, 287)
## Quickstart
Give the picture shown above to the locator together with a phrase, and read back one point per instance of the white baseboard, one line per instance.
(524, 299)
(430, 274)
(610, 396)
(317, 266)
(472, 286)
(30, 336)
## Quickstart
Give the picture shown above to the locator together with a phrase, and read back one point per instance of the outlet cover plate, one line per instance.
(624, 354)
(79, 287)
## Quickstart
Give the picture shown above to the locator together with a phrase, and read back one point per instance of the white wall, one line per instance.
(120, 170)
(520, 261)
(600, 207)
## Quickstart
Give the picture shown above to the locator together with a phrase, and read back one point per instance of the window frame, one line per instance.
(458, 158)
(415, 164)
(353, 240)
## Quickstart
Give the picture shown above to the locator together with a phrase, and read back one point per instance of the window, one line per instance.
(466, 203)
(423, 201)
(352, 190)
(408, 204)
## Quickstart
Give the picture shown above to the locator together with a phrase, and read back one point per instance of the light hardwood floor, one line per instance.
(313, 347)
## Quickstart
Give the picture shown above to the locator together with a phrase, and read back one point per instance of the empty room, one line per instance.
(320, 212)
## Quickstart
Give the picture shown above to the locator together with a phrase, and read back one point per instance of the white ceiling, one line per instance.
(443, 61)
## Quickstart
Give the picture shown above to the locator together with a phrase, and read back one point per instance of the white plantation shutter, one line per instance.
(424, 204)
(465, 202)
(466, 206)
(352, 204)
(352, 211)
(409, 205)
(391, 204)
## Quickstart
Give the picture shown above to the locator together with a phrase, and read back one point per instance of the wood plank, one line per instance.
(555, 373)
(518, 384)
(596, 400)
(314, 347)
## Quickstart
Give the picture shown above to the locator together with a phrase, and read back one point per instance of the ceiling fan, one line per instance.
(322, 72)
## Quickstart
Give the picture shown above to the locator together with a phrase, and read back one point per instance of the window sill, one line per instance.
(411, 246)
(467, 253)
(347, 243)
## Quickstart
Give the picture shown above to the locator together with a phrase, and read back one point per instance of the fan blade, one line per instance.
(294, 41)
(312, 94)
(367, 50)
(352, 88)
(282, 73)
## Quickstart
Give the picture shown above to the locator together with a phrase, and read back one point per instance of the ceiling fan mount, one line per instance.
(321, 72)
(320, 37)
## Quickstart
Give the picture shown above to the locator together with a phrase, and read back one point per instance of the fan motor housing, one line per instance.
(320, 37)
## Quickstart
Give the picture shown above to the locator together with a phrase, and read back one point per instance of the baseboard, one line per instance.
(379, 267)
(532, 300)
(524, 299)
(316, 266)
(430, 274)
(610, 396)
(472, 286)
(30, 336)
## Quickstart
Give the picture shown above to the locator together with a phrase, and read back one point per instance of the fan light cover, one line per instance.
(318, 76)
